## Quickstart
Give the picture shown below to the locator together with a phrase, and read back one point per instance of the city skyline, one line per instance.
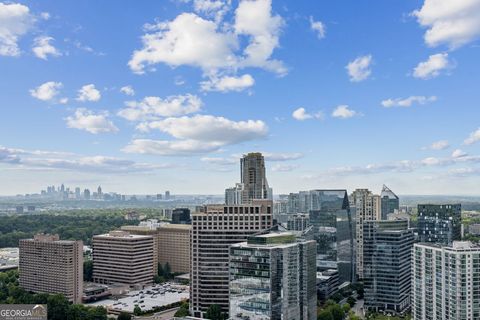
(333, 98)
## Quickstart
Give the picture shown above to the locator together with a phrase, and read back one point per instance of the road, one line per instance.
(163, 315)
(358, 309)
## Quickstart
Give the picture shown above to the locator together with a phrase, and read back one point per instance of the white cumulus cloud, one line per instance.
(46, 91)
(15, 21)
(88, 93)
(457, 153)
(432, 67)
(155, 107)
(128, 90)
(42, 48)
(438, 145)
(450, 22)
(89, 121)
(318, 27)
(343, 112)
(228, 83)
(209, 128)
(408, 102)
(360, 68)
(200, 42)
(301, 114)
(474, 137)
(170, 148)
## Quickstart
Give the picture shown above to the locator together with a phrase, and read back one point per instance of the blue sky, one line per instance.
(147, 96)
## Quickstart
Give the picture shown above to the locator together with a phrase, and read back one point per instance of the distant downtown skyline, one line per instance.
(140, 97)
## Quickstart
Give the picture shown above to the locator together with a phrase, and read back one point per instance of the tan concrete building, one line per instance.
(367, 208)
(50, 265)
(146, 231)
(213, 231)
(174, 246)
(121, 257)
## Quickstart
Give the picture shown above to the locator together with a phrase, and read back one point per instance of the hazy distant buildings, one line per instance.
(389, 201)
(298, 222)
(440, 223)
(367, 207)
(167, 195)
(386, 265)
(446, 281)
(50, 265)
(121, 257)
(272, 276)
(181, 216)
(213, 231)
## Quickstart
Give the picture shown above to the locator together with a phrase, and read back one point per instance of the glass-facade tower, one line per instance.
(272, 276)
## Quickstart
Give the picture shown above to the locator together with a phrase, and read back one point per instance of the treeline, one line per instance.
(69, 227)
(57, 305)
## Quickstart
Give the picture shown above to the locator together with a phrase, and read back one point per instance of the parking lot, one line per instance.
(148, 298)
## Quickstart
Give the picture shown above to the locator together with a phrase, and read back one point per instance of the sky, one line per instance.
(146, 96)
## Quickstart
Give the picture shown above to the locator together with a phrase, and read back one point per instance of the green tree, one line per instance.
(351, 301)
(88, 270)
(137, 310)
(160, 272)
(214, 313)
(183, 310)
(168, 271)
(57, 306)
(325, 315)
(336, 311)
(124, 316)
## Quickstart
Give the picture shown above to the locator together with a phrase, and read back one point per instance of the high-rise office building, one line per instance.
(174, 246)
(332, 229)
(386, 265)
(50, 265)
(389, 201)
(121, 257)
(445, 281)
(367, 207)
(147, 230)
(167, 195)
(273, 277)
(86, 194)
(440, 223)
(253, 177)
(181, 216)
(213, 231)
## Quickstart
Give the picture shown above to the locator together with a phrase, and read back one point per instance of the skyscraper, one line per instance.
(390, 202)
(332, 229)
(440, 223)
(273, 277)
(367, 207)
(213, 231)
(253, 178)
(50, 265)
(445, 281)
(386, 265)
